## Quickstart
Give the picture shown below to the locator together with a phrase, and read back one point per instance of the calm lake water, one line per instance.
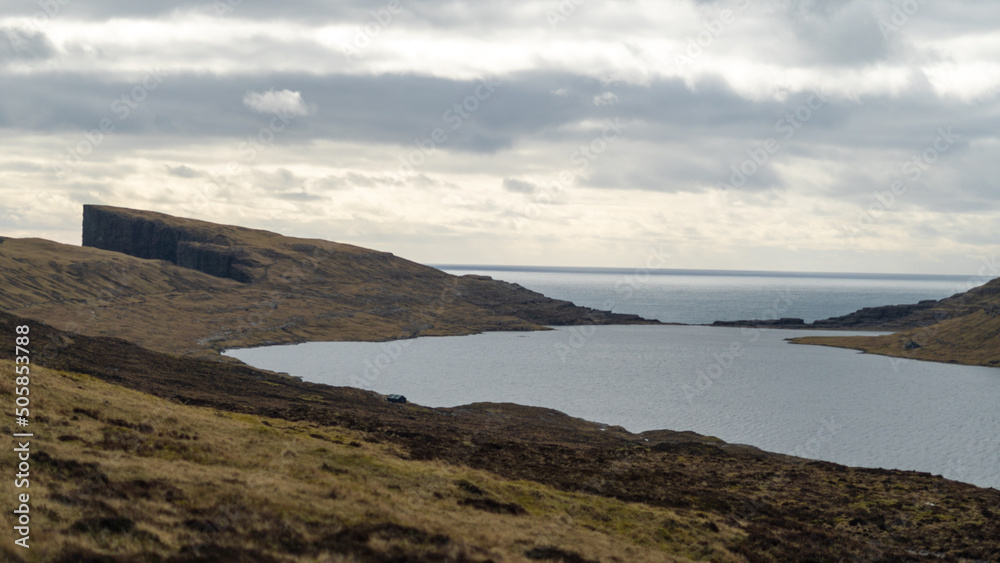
(820, 403)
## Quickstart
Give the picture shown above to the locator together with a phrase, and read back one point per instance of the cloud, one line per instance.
(834, 33)
(605, 99)
(229, 73)
(285, 103)
(299, 196)
(183, 171)
(518, 186)
(24, 45)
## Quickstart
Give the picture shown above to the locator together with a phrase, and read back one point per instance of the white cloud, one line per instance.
(284, 102)
(606, 99)
(887, 99)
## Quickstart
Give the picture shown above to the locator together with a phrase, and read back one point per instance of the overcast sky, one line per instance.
(846, 135)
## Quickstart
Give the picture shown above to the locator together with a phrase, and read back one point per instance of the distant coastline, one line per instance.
(694, 272)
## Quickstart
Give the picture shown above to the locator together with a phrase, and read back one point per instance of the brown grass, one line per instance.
(962, 329)
(181, 311)
(773, 507)
(122, 473)
(973, 339)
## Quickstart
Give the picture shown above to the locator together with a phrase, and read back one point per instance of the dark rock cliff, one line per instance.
(876, 317)
(888, 317)
(383, 284)
(145, 237)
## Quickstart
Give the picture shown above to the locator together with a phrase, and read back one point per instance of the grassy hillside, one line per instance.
(123, 474)
(963, 329)
(157, 457)
(288, 289)
(145, 451)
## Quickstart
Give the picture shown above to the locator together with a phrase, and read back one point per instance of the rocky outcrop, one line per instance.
(765, 323)
(193, 287)
(888, 317)
(145, 235)
(885, 317)
(217, 260)
(962, 329)
(512, 299)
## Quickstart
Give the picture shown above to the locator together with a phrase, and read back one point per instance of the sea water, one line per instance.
(705, 296)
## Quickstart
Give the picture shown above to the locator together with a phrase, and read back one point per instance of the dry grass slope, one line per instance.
(738, 500)
(122, 474)
(289, 289)
(963, 329)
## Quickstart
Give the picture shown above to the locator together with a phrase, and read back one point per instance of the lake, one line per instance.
(742, 385)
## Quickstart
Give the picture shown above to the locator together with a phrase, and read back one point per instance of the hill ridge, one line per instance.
(192, 287)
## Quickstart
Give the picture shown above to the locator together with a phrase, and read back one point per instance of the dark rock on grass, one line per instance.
(494, 506)
(113, 525)
(82, 556)
(69, 470)
(470, 488)
(354, 540)
(766, 323)
(211, 553)
(555, 554)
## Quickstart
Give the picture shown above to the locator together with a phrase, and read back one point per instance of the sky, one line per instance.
(840, 136)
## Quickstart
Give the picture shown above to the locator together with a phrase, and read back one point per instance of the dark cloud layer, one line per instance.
(24, 44)
(638, 127)
(407, 110)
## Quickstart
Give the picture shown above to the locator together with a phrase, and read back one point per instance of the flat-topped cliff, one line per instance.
(185, 286)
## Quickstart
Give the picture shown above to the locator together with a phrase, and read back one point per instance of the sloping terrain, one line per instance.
(194, 288)
(143, 456)
(962, 329)
(894, 317)
(124, 476)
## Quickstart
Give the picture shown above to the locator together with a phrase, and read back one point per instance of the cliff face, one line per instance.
(105, 229)
(191, 287)
(144, 235)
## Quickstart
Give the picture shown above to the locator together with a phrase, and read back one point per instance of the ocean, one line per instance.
(814, 402)
(704, 296)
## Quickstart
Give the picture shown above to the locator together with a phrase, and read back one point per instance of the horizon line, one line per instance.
(701, 271)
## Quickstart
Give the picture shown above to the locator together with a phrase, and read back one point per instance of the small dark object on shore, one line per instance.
(912, 345)
(396, 399)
